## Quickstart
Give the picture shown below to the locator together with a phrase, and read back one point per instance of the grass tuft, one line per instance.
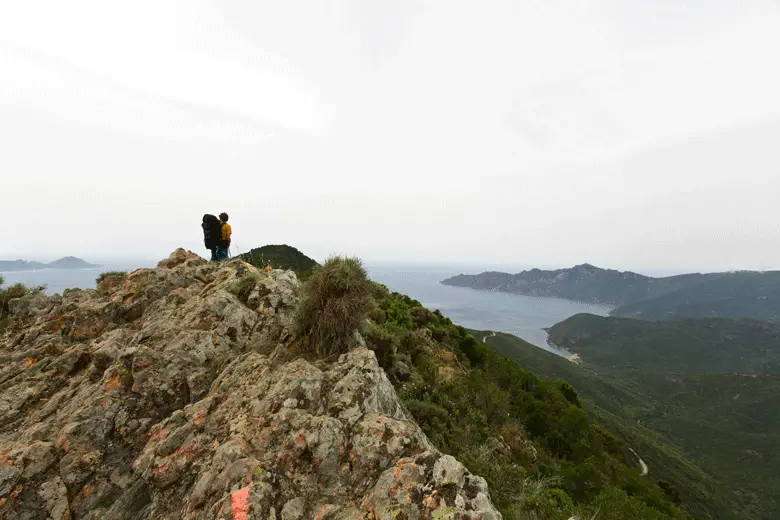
(109, 274)
(242, 287)
(334, 302)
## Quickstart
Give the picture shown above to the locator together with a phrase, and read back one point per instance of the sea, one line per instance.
(523, 316)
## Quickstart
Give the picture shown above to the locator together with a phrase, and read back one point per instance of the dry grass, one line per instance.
(334, 302)
(242, 287)
(110, 274)
(11, 292)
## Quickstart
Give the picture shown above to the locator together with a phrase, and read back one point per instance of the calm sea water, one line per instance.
(57, 280)
(522, 316)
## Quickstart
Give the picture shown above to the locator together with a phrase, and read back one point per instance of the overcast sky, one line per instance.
(625, 133)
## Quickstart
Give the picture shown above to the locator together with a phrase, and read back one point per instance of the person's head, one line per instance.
(223, 217)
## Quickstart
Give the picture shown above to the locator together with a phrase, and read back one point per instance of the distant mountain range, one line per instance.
(66, 262)
(746, 294)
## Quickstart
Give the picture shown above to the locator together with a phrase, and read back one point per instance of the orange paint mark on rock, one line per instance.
(112, 382)
(240, 504)
(31, 360)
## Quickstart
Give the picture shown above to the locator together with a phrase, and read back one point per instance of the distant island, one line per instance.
(66, 262)
(746, 294)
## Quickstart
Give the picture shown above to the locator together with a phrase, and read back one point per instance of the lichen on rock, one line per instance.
(166, 396)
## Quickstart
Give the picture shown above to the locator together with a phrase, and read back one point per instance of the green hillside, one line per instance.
(741, 294)
(281, 257)
(708, 432)
(746, 294)
(582, 283)
(683, 346)
(531, 438)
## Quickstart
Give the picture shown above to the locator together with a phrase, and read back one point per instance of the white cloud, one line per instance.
(543, 131)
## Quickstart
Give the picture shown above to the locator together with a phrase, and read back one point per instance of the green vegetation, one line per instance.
(683, 346)
(281, 257)
(531, 438)
(746, 294)
(709, 435)
(333, 304)
(582, 282)
(9, 293)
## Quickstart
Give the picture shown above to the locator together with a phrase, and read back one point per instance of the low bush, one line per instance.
(334, 302)
(109, 274)
(11, 292)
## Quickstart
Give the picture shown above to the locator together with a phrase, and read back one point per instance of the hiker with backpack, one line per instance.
(216, 236)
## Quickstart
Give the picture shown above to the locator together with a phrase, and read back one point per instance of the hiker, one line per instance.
(225, 233)
(212, 234)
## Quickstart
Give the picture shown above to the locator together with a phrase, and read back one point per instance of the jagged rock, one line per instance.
(164, 396)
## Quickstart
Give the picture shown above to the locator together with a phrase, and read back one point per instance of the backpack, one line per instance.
(212, 232)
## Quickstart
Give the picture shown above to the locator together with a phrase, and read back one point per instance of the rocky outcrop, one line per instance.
(163, 396)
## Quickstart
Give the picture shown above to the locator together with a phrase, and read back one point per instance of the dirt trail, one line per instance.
(641, 462)
(492, 334)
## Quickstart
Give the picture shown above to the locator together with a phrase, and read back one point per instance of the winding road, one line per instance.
(484, 340)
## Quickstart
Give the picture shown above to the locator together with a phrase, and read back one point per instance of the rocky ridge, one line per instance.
(161, 395)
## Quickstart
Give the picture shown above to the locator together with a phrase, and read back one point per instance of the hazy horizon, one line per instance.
(627, 135)
(451, 267)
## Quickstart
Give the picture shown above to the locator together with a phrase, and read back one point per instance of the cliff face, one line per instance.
(161, 395)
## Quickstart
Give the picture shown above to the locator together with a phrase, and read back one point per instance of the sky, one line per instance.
(623, 133)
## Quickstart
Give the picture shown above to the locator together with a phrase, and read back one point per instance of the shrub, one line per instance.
(383, 343)
(334, 302)
(11, 292)
(109, 274)
(398, 313)
(569, 392)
